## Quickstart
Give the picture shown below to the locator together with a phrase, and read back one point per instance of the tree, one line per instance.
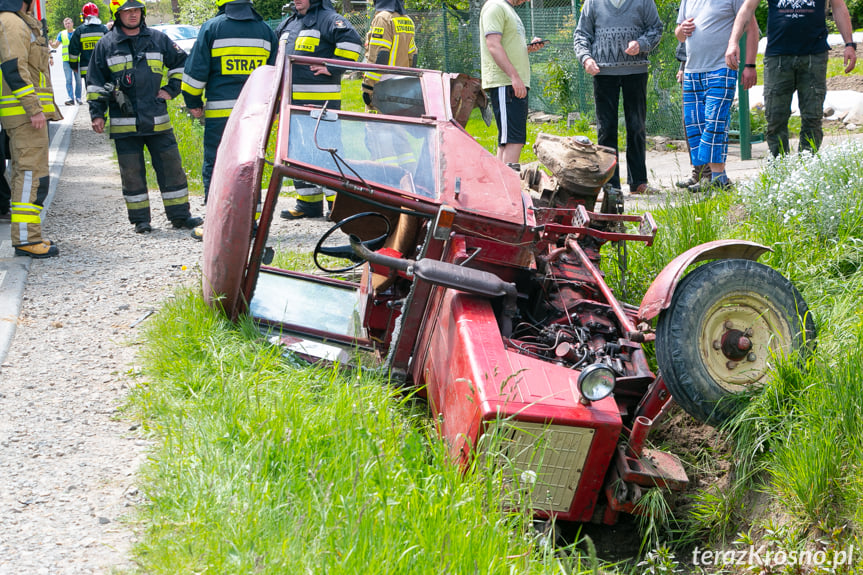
(60, 9)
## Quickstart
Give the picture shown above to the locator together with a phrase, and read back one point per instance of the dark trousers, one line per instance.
(606, 93)
(169, 173)
(213, 130)
(782, 76)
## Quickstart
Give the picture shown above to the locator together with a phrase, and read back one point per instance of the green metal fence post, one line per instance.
(743, 107)
(445, 38)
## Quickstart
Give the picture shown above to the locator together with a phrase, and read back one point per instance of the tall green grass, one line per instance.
(266, 466)
(799, 438)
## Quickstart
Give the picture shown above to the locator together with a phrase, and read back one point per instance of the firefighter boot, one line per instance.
(38, 250)
(143, 228)
(304, 210)
(189, 223)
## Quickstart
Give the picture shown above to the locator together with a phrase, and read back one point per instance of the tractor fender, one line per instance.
(234, 190)
(660, 292)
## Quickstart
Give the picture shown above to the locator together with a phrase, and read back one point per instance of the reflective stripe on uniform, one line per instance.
(156, 63)
(231, 43)
(161, 123)
(12, 110)
(316, 92)
(25, 212)
(348, 51)
(12, 106)
(310, 195)
(307, 41)
(219, 108)
(381, 42)
(25, 91)
(121, 125)
(192, 86)
(175, 198)
(137, 202)
(96, 93)
(117, 63)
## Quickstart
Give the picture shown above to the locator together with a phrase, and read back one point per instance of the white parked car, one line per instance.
(183, 34)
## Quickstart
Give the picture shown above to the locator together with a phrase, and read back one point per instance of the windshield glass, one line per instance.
(180, 32)
(393, 154)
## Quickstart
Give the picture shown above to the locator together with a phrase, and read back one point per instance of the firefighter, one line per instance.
(316, 29)
(84, 39)
(229, 47)
(125, 80)
(390, 41)
(26, 105)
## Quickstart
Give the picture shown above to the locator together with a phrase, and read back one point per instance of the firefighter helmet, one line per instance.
(89, 9)
(120, 5)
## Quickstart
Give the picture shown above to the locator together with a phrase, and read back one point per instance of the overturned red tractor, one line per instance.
(489, 297)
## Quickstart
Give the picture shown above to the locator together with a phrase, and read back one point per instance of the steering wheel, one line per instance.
(345, 251)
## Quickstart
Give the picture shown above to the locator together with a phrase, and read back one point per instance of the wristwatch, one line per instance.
(852, 44)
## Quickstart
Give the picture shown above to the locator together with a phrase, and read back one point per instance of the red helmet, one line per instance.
(90, 9)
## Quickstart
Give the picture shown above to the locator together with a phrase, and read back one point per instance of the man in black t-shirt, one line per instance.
(795, 59)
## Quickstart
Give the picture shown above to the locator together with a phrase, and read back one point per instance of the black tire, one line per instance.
(713, 306)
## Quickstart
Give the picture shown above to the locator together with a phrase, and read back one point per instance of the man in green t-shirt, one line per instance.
(506, 73)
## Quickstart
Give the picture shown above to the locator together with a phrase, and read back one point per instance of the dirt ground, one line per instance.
(846, 82)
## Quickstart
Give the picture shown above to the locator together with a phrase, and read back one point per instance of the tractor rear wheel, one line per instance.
(728, 322)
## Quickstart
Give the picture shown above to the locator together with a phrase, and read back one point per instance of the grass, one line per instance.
(268, 466)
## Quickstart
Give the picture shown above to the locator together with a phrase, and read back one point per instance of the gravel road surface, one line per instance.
(68, 455)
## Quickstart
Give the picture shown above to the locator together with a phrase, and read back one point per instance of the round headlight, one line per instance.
(596, 382)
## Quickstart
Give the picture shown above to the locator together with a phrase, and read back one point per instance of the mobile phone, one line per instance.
(540, 43)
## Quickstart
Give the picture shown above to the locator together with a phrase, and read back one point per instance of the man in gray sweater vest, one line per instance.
(612, 40)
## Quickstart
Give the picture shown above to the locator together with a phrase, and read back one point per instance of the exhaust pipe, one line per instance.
(640, 428)
(449, 275)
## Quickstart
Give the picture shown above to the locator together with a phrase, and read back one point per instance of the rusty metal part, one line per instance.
(658, 296)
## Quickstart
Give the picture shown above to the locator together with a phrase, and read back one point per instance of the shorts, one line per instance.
(510, 113)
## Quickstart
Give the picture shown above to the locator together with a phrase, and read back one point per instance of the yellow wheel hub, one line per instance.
(740, 336)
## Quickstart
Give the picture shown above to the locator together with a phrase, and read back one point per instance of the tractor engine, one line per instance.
(565, 322)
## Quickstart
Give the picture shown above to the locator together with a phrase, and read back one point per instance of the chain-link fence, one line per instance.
(448, 40)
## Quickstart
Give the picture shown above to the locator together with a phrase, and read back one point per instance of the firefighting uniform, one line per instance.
(26, 91)
(320, 33)
(389, 41)
(135, 66)
(229, 47)
(83, 42)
